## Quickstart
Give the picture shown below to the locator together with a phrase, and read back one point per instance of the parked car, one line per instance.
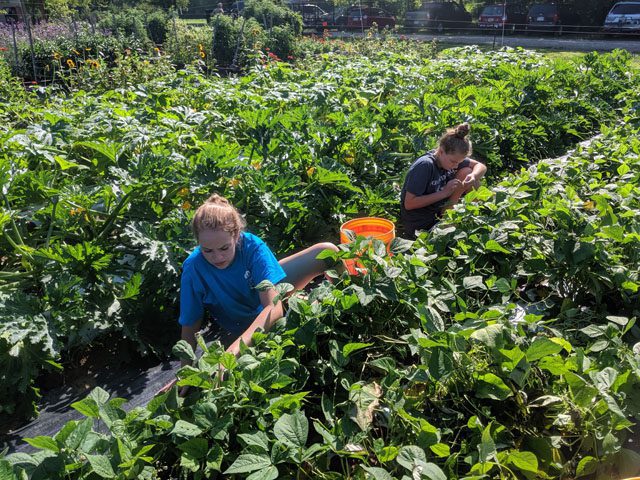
(624, 17)
(551, 17)
(438, 16)
(509, 18)
(365, 17)
(312, 15)
(340, 16)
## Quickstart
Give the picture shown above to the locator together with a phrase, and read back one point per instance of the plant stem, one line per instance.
(51, 221)
(13, 223)
(113, 216)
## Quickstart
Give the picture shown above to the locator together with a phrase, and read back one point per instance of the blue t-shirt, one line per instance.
(229, 294)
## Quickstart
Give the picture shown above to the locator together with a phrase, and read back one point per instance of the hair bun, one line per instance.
(217, 200)
(462, 130)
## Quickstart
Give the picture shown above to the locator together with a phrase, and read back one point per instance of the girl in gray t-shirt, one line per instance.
(438, 180)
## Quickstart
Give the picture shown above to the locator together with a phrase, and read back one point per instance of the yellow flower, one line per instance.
(57, 56)
(75, 51)
(70, 63)
(589, 205)
(257, 164)
(77, 211)
(186, 205)
(88, 49)
(234, 182)
(183, 192)
(310, 171)
(202, 54)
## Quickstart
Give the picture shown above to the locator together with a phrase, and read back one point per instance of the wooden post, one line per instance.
(27, 22)
(15, 45)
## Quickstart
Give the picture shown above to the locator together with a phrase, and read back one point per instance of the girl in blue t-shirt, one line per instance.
(222, 272)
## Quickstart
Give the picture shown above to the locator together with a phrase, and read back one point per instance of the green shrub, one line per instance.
(230, 42)
(282, 42)
(270, 14)
(127, 23)
(157, 27)
(53, 57)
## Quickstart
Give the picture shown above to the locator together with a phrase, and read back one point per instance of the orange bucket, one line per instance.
(368, 227)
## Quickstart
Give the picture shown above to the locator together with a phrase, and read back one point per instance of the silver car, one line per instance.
(624, 17)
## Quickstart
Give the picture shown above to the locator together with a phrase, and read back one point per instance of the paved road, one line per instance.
(565, 42)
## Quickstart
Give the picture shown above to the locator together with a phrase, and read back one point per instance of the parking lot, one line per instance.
(568, 43)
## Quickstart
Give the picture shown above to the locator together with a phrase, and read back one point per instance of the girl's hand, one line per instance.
(182, 392)
(451, 186)
(472, 181)
(167, 387)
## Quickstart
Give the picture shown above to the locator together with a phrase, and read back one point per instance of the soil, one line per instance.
(111, 364)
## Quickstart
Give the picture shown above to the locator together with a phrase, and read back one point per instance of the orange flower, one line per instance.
(186, 205)
(76, 211)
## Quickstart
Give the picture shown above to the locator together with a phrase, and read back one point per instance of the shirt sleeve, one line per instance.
(418, 178)
(191, 300)
(464, 163)
(264, 265)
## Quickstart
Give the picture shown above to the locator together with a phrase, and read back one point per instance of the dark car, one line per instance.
(498, 17)
(340, 16)
(624, 17)
(365, 17)
(438, 16)
(312, 15)
(552, 17)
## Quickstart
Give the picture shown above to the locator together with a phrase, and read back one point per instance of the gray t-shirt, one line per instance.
(425, 177)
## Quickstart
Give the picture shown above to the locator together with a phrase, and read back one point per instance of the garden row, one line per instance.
(98, 188)
(60, 52)
(500, 345)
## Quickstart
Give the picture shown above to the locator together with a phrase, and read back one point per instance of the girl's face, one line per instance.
(449, 161)
(218, 247)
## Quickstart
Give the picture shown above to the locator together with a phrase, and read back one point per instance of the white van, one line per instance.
(624, 17)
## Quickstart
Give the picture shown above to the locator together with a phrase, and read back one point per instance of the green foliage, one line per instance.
(271, 14)
(12, 95)
(227, 43)
(282, 41)
(460, 355)
(130, 22)
(156, 23)
(54, 58)
(99, 188)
